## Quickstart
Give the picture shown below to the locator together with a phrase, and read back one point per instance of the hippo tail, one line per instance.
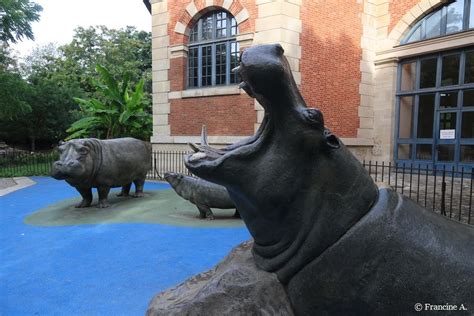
(149, 150)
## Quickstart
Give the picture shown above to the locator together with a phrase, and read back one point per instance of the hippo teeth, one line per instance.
(205, 152)
(197, 156)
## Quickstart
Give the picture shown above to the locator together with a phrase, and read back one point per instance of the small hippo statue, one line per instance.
(103, 164)
(201, 193)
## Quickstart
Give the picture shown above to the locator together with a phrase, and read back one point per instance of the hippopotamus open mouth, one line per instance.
(266, 76)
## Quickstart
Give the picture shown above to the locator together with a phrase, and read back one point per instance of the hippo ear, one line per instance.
(331, 140)
(279, 49)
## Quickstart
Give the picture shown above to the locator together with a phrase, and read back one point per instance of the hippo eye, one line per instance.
(313, 116)
(83, 151)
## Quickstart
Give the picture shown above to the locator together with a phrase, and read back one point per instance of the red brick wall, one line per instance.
(177, 73)
(223, 115)
(330, 61)
(397, 9)
(232, 115)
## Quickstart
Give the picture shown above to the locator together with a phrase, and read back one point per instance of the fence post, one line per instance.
(376, 167)
(443, 192)
(460, 194)
(434, 187)
(383, 166)
(452, 195)
(403, 177)
(426, 184)
(470, 198)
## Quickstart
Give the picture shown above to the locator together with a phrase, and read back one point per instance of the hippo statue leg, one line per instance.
(139, 184)
(125, 190)
(103, 193)
(205, 212)
(86, 194)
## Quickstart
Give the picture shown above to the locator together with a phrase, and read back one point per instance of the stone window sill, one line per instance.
(205, 92)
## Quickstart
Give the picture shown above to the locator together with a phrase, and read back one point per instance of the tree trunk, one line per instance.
(33, 143)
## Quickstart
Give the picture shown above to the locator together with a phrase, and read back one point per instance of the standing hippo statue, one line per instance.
(103, 164)
(338, 243)
(201, 193)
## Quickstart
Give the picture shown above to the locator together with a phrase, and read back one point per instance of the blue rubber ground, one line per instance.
(112, 269)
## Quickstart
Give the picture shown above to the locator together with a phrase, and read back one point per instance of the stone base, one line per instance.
(234, 287)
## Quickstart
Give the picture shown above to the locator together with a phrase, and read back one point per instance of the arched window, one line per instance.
(455, 17)
(213, 51)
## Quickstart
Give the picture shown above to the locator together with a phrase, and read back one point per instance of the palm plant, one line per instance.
(121, 112)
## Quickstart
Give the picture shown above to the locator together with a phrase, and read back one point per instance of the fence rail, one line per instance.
(446, 191)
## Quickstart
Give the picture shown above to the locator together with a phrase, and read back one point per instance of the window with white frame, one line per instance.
(213, 51)
(456, 16)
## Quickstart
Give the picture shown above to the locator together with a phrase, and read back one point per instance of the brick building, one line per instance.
(394, 79)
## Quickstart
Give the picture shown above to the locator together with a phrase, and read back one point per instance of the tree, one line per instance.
(37, 98)
(38, 108)
(117, 50)
(123, 113)
(15, 19)
(13, 92)
(13, 88)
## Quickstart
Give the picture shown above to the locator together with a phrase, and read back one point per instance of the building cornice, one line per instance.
(432, 45)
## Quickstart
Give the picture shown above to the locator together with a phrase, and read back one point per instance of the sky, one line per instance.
(59, 18)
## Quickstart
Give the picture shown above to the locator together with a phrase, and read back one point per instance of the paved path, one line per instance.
(6, 183)
(9, 185)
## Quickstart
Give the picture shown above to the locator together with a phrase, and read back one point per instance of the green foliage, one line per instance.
(120, 51)
(13, 88)
(121, 111)
(15, 19)
(13, 95)
(46, 100)
(37, 97)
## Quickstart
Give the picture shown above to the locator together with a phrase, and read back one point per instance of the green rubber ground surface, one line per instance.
(159, 206)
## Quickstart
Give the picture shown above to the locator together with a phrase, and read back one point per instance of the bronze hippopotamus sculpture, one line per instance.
(103, 164)
(201, 193)
(340, 245)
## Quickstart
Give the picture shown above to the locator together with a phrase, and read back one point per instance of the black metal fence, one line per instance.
(443, 190)
(447, 191)
(20, 163)
(167, 161)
